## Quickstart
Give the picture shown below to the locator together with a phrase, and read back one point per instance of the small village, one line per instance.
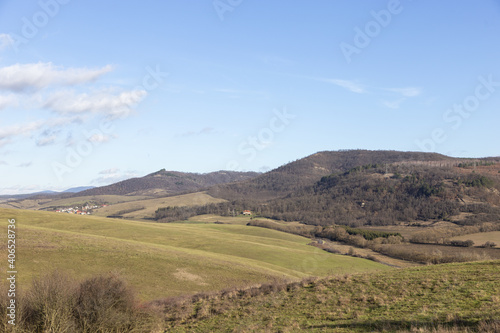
(83, 210)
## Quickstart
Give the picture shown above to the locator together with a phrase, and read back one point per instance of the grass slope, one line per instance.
(146, 208)
(162, 260)
(461, 296)
(73, 201)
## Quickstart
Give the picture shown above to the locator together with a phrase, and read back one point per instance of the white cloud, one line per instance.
(18, 189)
(9, 133)
(394, 104)
(100, 138)
(352, 86)
(406, 92)
(25, 165)
(46, 140)
(110, 176)
(7, 101)
(111, 171)
(6, 40)
(205, 130)
(103, 102)
(6, 134)
(25, 77)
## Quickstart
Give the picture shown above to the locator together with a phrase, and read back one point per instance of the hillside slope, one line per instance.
(306, 171)
(460, 296)
(366, 188)
(161, 260)
(386, 195)
(164, 182)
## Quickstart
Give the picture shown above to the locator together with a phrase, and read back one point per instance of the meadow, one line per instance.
(162, 260)
(145, 208)
(448, 298)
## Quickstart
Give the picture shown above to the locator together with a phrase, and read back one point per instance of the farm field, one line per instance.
(482, 237)
(211, 218)
(161, 260)
(145, 209)
(408, 230)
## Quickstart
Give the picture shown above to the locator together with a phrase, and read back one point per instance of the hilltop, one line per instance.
(362, 187)
(308, 170)
(163, 183)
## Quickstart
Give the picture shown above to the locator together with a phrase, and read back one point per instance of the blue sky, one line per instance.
(93, 92)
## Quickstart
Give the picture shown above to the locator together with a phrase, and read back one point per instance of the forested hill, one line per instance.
(388, 194)
(169, 182)
(366, 188)
(294, 176)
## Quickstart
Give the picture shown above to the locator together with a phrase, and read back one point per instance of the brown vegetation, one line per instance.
(55, 303)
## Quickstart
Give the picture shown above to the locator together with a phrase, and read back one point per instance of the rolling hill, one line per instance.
(366, 188)
(161, 260)
(443, 298)
(163, 183)
(293, 176)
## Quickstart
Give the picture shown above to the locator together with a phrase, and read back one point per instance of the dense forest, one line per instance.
(435, 187)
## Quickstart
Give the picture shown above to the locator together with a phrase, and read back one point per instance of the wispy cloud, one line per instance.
(111, 171)
(393, 104)
(37, 76)
(46, 141)
(113, 175)
(237, 93)
(406, 92)
(18, 189)
(112, 105)
(100, 138)
(350, 85)
(358, 88)
(25, 165)
(7, 134)
(6, 40)
(8, 100)
(276, 60)
(203, 131)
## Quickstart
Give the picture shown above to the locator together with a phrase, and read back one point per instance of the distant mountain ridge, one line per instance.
(78, 189)
(46, 193)
(163, 182)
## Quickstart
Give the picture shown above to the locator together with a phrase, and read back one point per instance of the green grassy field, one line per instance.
(146, 208)
(440, 298)
(211, 218)
(162, 260)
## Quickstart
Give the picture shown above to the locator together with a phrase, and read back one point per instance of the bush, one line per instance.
(489, 244)
(47, 305)
(467, 243)
(55, 303)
